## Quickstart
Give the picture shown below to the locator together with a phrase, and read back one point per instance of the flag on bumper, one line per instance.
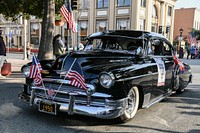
(35, 71)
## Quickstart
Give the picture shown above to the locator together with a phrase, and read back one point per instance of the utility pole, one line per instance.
(25, 23)
(74, 6)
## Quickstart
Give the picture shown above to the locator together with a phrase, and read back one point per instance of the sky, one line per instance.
(187, 4)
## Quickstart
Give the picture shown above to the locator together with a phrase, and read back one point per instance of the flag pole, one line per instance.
(65, 77)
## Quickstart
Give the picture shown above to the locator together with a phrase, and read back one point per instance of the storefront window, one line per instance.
(101, 25)
(123, 2)
(154, 27)
(154, 12)
(102, 3)
(143, 3)
(34, 33)
(142, 24)
(169, 11)
(83, 30)
(123, 24)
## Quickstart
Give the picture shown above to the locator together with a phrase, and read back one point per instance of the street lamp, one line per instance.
(181, 32)
(180, 39)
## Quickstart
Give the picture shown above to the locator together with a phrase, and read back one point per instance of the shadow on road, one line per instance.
(14, 110)
(63, 122)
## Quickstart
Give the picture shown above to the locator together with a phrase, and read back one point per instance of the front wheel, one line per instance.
(131, 106)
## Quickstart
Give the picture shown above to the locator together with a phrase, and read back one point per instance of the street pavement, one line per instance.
(177, 113)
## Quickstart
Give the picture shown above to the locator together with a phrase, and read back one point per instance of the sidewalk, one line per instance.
(16, 64)
(16, 60)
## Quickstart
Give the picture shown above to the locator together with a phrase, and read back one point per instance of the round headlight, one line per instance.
(26, 71)
(106, 79)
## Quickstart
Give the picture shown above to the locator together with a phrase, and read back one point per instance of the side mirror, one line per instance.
(48, 66)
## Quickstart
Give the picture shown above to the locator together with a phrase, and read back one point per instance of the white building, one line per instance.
(99, 15)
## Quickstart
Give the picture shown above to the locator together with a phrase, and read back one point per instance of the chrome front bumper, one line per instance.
(108, 110)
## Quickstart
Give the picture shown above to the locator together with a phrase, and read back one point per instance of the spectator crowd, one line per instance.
(193, 52)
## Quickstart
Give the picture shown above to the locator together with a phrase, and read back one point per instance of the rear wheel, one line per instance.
(176, 85)
(131, 106)
(176, 81)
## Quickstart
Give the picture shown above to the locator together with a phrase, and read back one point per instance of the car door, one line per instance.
(155, 58)
(168, 61)
(159, 69)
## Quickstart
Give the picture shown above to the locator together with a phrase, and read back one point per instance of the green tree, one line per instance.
(46, 47)
(197, 32)
(44, 9)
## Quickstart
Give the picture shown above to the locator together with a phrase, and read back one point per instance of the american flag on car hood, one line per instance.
(75, 73)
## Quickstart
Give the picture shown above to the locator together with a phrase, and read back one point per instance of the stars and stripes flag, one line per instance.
(66, 12)
(75, 74)
(192, 38)
(35, 71)
(178, 62)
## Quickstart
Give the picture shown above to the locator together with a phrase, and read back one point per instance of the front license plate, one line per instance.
(47, 107)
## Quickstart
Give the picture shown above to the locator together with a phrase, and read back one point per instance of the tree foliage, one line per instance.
(44, 9)
(14, 8)
(197, 32)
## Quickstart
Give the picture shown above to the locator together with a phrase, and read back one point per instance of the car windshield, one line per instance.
(113, 43)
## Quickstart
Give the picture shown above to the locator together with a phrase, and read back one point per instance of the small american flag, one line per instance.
(67, 13)
(35, 71)
(178, 62)
(75, 75)
(192, 38)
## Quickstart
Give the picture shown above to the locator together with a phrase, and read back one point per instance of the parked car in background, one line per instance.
(117, 73)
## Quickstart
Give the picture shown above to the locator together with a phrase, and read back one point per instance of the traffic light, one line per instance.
(74, 4)
(160, 30)
(167, 29)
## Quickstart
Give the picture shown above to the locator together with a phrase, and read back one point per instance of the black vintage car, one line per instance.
(122, 71)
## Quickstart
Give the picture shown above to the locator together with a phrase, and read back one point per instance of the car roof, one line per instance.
(126, 33)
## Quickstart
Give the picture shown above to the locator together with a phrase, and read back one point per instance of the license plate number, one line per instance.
(47, 107)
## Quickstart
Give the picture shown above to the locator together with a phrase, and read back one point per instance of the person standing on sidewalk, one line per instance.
(188, 52)
(2, 52)
(58, 46)
(192, 52)
(28, 49)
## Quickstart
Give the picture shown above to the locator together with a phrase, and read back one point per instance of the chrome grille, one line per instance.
(63, 95)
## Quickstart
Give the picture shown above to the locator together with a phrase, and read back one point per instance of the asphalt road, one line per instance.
(178, 113)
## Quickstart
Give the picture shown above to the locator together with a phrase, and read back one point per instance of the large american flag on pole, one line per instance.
(75, 74)
(35, 71)
(192, 38)
(67, 13)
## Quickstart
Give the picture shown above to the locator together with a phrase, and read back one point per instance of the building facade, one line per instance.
(147, 15)
(186, 19)
(99, 15)
(12, 31)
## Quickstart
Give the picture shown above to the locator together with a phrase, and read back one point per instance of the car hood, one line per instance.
(95, 62)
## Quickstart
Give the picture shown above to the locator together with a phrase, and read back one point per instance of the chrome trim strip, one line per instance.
(135, 77)
(63, 81)
(96, 94)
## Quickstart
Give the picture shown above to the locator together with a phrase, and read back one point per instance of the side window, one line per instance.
(150, 48)
(157, 47)
(166, 49)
